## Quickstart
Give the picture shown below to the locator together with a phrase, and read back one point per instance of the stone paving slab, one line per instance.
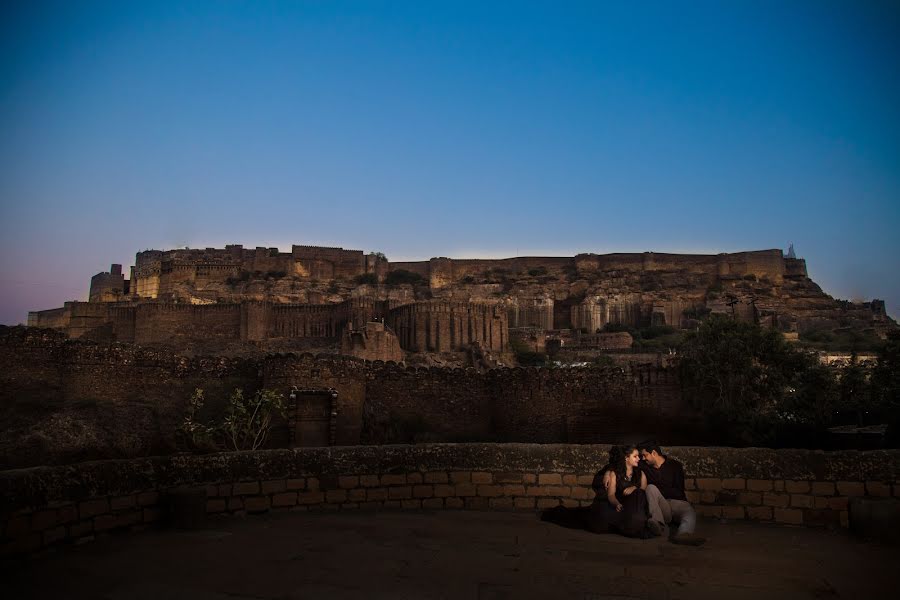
(454, 554)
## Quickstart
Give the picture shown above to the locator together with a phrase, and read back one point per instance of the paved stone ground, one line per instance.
(450, 554)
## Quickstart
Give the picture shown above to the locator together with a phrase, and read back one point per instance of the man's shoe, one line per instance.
(656, 527)
(688, 539)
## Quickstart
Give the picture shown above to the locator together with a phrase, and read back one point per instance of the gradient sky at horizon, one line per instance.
(462, 129)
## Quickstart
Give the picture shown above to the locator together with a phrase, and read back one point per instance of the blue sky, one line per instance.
(447, 129)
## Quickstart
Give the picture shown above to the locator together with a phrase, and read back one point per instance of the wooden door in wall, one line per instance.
(313, 418)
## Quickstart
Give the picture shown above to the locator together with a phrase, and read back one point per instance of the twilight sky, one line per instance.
(422, 129)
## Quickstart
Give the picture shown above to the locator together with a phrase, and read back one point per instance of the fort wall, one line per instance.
(444, 326)
(51, 506)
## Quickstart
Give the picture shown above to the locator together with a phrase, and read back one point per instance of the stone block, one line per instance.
(216, 505)
(274, 486)
(393, 479)
(780, 500)
(750, 498)
(376, 494)
(482, 477)
(423, 491)
(490, 490)
(529, 478)
(548, 490)
(579, 493)
(501, 503)
(67, 514)
(692, 496)
(839, 503)
(454, 503)
(391, 504)
(348, 481)
(796, 487)
(246, 488)
(256, 504)
(778, 485)
(414, 478)
(477, 503)
(107, 522)
(549, 479)
(708, 497)
(877, 488)
(512, 489)
(759, 485)
(90, 508)
(465, 489)
(122, 502)
(297, 484)
(312, 483)
(83, 528)
(523, 503)
(398, 493)
(820, 502)
(690, 483)
(543, 503)
(801, 501)
(43, 519)
(336, 496)
(235, 503)
(433, 503)
(587, 480)
(285, 499)
(410, 504)
(436, 477)
(442, 490)
(851, 488)
(357, 495)
(309, 498)
(148, 498)
(760, 513)
(712, 485)
(570, 479)
(823, 488)
(790, 516)
(733, 512)
(211, 491)
(461, 477)
(369, 481)
(734, 484)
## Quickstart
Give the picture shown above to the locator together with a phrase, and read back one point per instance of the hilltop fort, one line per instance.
(319, 297)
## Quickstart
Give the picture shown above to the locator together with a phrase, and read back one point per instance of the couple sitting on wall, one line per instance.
(638, 494)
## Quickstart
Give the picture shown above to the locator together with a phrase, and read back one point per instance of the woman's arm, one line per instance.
(611, 492)
(643, 481)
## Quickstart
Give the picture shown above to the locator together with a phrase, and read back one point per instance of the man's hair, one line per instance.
(650, 446)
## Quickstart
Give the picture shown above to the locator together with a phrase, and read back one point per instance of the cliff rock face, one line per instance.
(446, 304)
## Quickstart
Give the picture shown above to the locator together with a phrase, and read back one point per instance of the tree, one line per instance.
(737, 374)
(885, 387)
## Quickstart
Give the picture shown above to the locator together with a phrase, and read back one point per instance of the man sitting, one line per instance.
(665, 477)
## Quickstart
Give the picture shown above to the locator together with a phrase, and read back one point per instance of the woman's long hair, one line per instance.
(617, 456)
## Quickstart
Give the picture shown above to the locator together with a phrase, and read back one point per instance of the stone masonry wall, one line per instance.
(49, 506)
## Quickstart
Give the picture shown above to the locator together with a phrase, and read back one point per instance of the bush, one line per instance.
(366, 279)
(537, 271)
(402, 276)
(246, 425)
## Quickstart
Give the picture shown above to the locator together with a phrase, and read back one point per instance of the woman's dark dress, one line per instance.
(632, 521)
(601, 516)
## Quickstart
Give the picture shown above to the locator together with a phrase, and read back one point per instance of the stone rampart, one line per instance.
(49, 506)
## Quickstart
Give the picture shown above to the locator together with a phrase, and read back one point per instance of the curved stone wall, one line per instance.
(49, 505)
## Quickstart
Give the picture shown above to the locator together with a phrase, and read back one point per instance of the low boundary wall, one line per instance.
(45, 506)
